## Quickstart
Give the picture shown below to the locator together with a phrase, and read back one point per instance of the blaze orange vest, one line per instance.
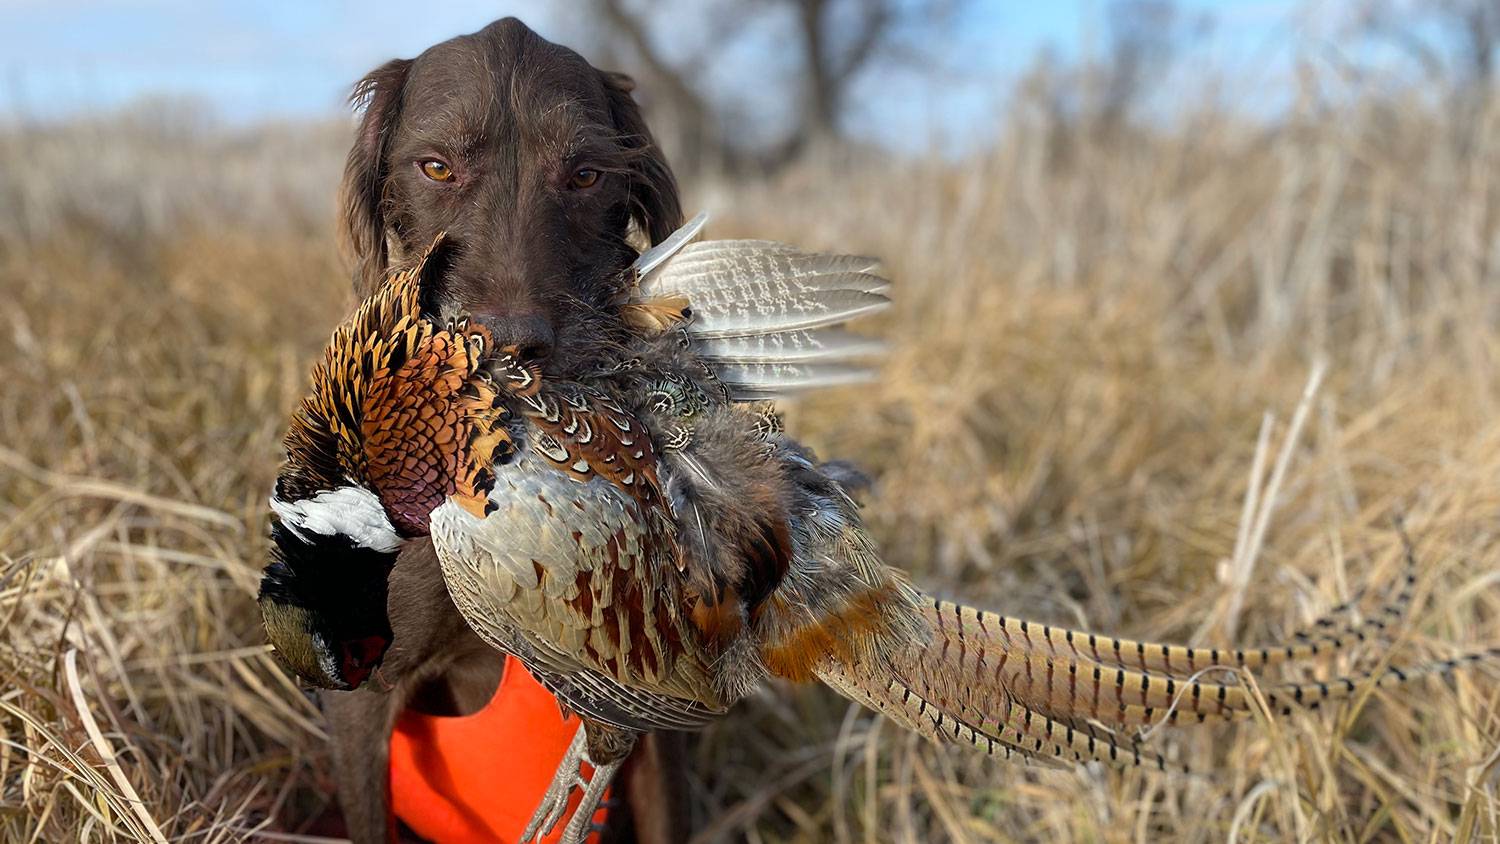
(479, 777)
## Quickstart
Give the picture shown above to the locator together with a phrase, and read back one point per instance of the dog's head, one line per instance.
(534, 162)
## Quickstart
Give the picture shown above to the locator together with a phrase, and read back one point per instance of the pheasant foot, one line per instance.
(554, 803)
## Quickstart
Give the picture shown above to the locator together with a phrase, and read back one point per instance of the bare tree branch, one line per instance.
(832, 43)
(877, 22)
(697, 131)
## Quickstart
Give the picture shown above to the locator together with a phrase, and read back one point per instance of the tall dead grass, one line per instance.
(1092, 330)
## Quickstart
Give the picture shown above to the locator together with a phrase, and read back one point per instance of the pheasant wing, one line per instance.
(762, 314)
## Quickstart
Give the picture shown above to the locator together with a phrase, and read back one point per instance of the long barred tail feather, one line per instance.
(1014, 732)
(1387, 615)
(1065, 672)
(1017, 732)
(1286, 698)
(1011, 687)
(1039, 666)
(1320, 639)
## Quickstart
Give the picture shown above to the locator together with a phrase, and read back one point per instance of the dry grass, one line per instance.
(1090, 330)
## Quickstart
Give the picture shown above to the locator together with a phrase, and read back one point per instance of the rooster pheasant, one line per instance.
(652, 547)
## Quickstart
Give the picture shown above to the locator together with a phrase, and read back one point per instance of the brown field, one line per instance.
(1091, 328)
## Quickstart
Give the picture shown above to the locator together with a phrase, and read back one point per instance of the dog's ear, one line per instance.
(654, 204)
(361, 222)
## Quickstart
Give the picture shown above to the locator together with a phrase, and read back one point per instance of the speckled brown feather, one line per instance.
(584, 432)
(401, 406)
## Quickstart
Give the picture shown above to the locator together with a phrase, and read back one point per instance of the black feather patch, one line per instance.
(341, 584)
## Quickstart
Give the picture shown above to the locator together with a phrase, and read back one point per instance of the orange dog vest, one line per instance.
(478, 778)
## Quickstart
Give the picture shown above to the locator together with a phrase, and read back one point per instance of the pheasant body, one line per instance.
(572, 570)
(652, 550)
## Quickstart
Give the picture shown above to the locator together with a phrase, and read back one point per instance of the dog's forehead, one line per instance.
(503, 73)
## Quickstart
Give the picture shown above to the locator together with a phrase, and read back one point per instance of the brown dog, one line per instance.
(537, 165)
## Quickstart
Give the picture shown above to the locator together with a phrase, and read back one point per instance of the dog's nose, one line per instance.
(532, 335)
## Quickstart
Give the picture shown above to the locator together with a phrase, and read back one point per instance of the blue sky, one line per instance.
(284, 59)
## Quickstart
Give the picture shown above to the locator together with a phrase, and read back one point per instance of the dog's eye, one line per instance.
(437, 171)
(584, 179)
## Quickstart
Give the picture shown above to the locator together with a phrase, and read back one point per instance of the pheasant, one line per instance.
(652, 546)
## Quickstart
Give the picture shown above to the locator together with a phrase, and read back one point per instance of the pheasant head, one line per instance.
(400, 418)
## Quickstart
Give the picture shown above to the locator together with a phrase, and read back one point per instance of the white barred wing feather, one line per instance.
(763, 313)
